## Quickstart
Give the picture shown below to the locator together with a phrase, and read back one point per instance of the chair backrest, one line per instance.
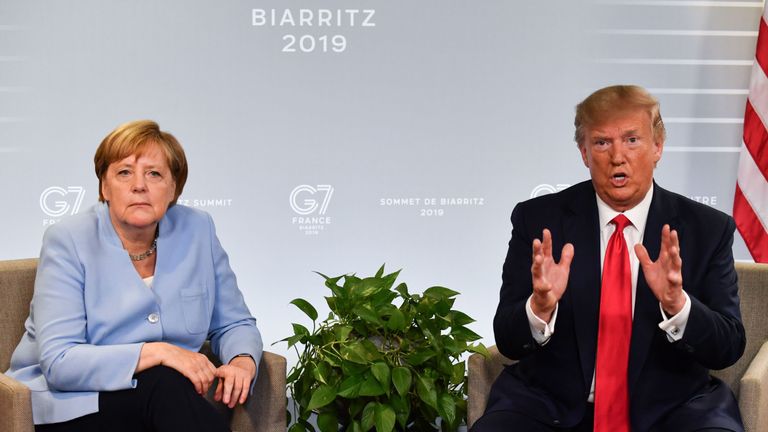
(753, 294)
(17, 283)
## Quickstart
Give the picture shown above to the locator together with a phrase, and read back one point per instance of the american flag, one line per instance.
(750, 205)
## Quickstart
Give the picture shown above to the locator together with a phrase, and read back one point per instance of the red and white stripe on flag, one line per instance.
(750, 205)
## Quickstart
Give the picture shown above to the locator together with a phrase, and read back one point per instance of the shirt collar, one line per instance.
(638, 214)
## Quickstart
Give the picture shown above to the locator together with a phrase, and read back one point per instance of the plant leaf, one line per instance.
(367, 314)
(465, 333)
(384, 418)
(381, 271)
(327, 421)
(460, 318)
(380, 370)
(440, 293)
(322, 275)
(297, 427)
(349, 368)
(305, 307)
(403, 290)
(355, 408)
(402, 408)
(457, 377)
(306, 426)
(396, 320)
(401, 378)
(371, 350)
(354, 352)
(299, 329)
(292, 340)
(322, 372)
(389, 280)
(420, 357)
(366, 421)
(446, 408)
(371, 386)
(350, 387)
(480, 349)
(355, 427)
(342, 332)
(322, 396)
(368, 287)
(425, 388)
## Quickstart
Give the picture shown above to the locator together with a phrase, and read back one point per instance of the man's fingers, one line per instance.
(674, 239)
(536, 267)
(546, 243)
(566, 256)
(675, 248)
(642, 255)
(674, 256)
(536, 247)
(666, 241)
(675, 278)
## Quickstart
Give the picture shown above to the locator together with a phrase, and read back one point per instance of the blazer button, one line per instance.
(153, 318)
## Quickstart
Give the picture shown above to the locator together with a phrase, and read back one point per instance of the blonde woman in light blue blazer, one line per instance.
(125, 295)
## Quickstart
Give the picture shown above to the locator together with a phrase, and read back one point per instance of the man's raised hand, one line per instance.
(549, 278)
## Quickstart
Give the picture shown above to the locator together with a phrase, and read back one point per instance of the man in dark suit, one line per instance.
(584, 362)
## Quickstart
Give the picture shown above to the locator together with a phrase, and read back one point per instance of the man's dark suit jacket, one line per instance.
(552, 382)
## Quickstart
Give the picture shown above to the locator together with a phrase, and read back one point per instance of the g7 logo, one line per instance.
(309, 204)
(69, 200)
(544, 189)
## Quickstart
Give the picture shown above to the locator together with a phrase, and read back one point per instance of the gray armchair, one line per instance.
(263, 412)
(748, 377)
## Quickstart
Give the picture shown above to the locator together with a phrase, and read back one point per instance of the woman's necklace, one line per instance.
(144, 255)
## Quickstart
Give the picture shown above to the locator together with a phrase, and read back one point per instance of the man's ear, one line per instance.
(583, 150)
(658, 150)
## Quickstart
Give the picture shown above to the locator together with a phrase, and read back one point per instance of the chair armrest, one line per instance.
(482, 372)
(265, 410)
(15, 406)
(753, 392)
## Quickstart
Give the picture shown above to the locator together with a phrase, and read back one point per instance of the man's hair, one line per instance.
(133, 138)
(611, 101)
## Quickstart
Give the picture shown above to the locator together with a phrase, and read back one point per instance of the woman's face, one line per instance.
(138, 189)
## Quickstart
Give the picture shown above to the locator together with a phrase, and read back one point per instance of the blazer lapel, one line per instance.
(580, 228)
(647, 314)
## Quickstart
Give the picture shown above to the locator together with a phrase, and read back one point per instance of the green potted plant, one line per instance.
(384, 358)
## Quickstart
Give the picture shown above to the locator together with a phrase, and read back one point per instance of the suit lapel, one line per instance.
(647, 314)
(581, 228)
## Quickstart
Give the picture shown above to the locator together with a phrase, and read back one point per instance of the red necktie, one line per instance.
(614, 334)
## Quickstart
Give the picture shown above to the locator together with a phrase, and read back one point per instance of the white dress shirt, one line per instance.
(674, 326)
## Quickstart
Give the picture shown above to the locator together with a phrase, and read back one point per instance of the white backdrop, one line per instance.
(341, 135)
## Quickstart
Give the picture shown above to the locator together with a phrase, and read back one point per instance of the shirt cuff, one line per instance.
(675, 326)
(540, 329)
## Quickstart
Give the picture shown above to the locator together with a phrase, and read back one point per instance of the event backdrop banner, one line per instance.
(338, 135)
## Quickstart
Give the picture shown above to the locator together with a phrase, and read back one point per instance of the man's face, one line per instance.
(621, 154)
